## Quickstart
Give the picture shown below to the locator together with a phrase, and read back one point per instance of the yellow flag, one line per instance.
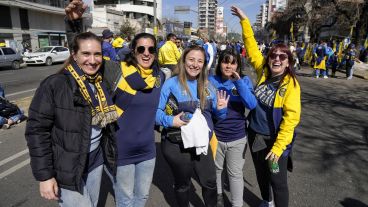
(366, 42)
(351, 31)
(292, 31)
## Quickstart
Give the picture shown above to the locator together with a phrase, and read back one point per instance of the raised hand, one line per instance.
(235, 76)
(222, 99)
(236, 11)
(75, 9)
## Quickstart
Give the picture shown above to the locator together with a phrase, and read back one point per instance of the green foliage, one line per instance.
(127, 30)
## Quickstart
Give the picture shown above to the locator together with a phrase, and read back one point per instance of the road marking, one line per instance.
(6, 74)
(15, 168)
(3, 162)
(10, 81)
(20, 92)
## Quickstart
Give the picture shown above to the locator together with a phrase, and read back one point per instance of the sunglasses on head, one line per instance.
(141, 50)
(282, 57)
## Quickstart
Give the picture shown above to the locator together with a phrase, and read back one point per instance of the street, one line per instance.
(330, 153)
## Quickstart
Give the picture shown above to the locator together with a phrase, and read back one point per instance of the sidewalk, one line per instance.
(361, 70)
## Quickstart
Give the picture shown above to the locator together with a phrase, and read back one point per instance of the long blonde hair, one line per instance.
(201, 78)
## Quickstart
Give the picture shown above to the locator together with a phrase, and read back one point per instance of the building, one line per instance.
(113, 13)
(207, 10)
(275, 6)
(32, 23)
(220, 31)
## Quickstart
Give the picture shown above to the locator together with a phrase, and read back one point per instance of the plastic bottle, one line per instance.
(274, 167)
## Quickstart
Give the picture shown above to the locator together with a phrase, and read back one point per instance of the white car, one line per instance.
(47, 55)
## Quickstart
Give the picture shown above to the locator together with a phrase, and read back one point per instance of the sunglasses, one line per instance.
(282, 57)
(141, 49)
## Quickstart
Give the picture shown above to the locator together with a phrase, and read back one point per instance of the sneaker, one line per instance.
(325, 77)
(5, 126)
(266, 204)
(220, 200)
(317, 76)
(18, 121)
(349, 78)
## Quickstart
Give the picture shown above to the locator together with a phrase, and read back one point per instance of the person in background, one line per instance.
(70, 129)
(334, 64)
(187, 97)
(271, 129)
(10, 113)
(349, 59)
(136, 98)
(108, 52)
(209, 52)
(320, 54)
(169, 54)
(118, 43)
(231, 132)
(179, 45)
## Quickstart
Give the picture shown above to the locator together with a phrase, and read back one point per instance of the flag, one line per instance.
(274, 35)
(351, 31)
(292, 31)
(366, 42)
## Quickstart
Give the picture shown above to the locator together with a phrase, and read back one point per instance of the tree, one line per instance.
(127, 30)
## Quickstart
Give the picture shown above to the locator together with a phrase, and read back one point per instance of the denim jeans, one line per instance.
(14, 118)
(233, 154)
(132, 183)
(91, 191)
(323, 72)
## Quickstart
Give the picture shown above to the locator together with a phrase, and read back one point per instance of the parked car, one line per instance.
(10, 58)
(47, 55)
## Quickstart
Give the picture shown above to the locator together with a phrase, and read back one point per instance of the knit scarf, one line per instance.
(102, 107)
(133, 80)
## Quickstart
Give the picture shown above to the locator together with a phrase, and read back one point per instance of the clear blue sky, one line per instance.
(250, 7)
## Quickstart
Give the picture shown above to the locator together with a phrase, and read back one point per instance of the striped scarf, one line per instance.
(134, 80)
(103, 109)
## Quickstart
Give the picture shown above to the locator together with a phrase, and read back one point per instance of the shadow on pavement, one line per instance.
(351, 202)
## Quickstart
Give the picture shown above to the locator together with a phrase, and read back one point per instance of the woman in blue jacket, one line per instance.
(232, 131)
(188, 91)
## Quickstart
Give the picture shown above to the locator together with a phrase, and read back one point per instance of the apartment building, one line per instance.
(207, 10)
(32, 23)
(113, 13)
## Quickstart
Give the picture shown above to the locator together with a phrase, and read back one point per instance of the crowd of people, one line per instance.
(100, 110)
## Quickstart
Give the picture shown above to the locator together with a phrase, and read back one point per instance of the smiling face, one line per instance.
(194, 62)
(228, 66)
(145, 58)
(278, 62)
(89, 56)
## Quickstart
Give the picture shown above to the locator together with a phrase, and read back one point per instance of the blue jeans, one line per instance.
(322, 71)
(133, 183)
(14, 118)
(91, 191)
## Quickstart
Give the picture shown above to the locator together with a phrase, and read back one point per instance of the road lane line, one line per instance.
(20, 92)
(6, 74)
(3, 162)
(15, 168)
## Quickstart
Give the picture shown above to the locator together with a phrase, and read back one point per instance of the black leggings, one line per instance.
(270, 184)
(183, 162)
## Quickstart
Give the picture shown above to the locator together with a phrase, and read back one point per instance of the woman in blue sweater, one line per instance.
(232, 131)
(188, 91)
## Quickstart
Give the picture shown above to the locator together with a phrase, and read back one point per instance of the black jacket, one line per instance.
(58, 133)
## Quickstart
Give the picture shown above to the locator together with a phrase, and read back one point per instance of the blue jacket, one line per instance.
(186, 103)
(108, 52)
(241, 96)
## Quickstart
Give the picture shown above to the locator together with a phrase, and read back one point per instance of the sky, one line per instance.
(250, 7)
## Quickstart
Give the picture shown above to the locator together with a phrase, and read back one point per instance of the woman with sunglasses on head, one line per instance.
(272, 123)
(69, 130)
(136, 98)
(185, 99)
(232, 131)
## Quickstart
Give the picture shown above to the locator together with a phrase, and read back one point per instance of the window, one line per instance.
(5, 18)
(23, 15)
(8, 51)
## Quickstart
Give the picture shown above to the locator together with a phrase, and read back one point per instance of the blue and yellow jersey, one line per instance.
(287, 104)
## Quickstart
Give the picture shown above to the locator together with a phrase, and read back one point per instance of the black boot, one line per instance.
(209, 197)
(220, 200)
(182, 197)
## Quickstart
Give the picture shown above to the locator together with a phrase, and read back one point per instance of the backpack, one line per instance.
(7, 109)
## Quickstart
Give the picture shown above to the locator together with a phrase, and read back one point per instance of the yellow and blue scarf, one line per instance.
(133, 80)
(102, 106)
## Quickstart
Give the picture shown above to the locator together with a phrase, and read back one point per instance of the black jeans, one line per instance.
(271, 184)
(183, 162)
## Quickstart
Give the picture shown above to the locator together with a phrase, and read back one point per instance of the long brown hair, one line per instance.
(288, 70)
(201, 78)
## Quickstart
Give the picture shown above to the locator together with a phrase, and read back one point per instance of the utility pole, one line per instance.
(154, 18)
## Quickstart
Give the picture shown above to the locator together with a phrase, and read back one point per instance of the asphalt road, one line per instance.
(23, 82)
(330, 154)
